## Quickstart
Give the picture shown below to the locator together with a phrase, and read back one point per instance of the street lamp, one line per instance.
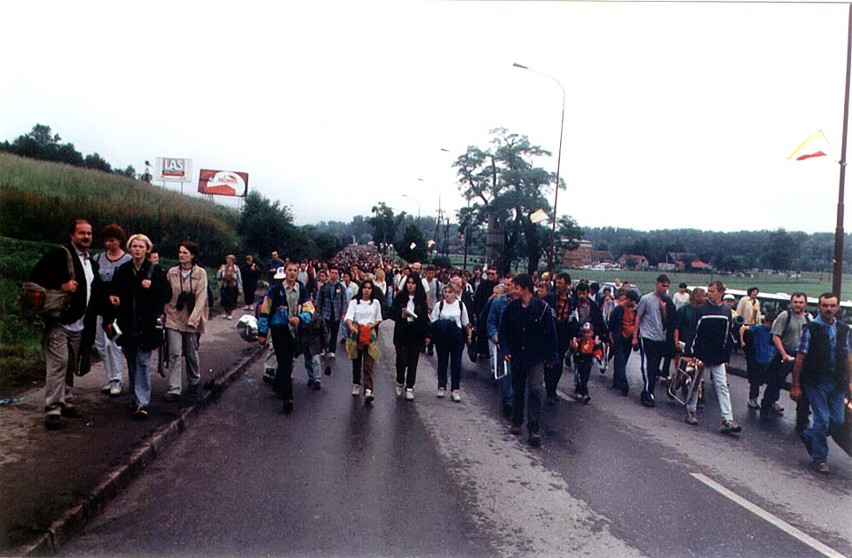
(558, 165)
(418, 205)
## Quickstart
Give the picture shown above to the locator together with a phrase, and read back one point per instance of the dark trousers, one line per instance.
(756, 377)
(621, 355)
(285, 351)
(584, 369)
(652, 353)
(776, 375)
(407, 356)
(333, 331)
(524, 379)
(450, 351)
(552, 376)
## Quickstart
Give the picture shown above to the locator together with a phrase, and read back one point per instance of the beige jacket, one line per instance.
(181, 320)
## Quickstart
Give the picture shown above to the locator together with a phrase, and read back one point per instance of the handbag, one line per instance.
(39, 302)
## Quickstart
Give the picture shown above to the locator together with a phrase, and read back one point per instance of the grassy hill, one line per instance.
(38, 200)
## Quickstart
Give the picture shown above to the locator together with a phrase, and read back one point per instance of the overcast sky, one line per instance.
(677, 115)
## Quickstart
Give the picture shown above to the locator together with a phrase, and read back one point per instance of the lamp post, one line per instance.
(418, 206)
(558, 166)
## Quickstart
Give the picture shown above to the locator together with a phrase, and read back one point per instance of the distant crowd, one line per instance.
(122, 304)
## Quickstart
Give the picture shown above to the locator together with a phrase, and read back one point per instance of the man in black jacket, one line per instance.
(822, 369)
(74, 331)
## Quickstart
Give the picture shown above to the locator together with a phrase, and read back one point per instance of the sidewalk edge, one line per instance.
(118, 478)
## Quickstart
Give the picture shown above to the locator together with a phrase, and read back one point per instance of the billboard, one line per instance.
(223, 183)
(173, 169)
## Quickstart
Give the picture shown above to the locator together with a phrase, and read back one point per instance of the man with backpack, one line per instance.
(786, 335)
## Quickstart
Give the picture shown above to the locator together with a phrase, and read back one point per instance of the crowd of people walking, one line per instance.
(529, 327)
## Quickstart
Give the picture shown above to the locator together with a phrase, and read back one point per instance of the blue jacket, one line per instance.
(274, 308)
(528, 335)
(495, 314)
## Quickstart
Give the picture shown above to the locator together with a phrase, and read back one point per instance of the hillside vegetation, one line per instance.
(39, 199)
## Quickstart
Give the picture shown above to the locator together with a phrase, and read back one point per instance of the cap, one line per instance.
(279, 273)
(728, 296)
(587, 327)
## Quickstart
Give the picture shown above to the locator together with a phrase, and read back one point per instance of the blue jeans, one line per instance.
(826, 400)
(312, 366)
(138, 363)
(619, 374)
(505, 381)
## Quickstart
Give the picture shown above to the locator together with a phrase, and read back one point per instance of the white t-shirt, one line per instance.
(365, 312)
(680, 299)
(450, 311)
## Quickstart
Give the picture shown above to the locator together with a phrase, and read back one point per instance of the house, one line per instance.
(640, 261)
(698, 265)
(585, 255)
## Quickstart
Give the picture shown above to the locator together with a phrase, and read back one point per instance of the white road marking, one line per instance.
(766, 516)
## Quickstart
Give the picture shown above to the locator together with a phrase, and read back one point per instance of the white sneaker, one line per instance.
(399, 390)
(442, 392)
(106, 389)
(409, 394)
(114, 389)
(455, 395)
(368, 395)
(356, 390)
(330, 355)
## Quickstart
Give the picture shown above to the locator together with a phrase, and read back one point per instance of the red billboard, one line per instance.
(223, 183)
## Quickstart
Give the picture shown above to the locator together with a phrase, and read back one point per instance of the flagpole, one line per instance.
(837, 278)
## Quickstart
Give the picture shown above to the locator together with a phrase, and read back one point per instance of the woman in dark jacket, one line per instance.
(138, 293)
(411, 315)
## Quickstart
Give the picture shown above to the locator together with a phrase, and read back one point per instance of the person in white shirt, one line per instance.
(681, 297)
(450, 331)
(362, 320)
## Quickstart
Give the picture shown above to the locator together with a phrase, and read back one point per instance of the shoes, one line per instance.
(821, 467)
(327, 370)
(455, 395)
(140, 413)
(330, 355)
(801, 426)
(409, 394)
(317, 385)
(106, 389)
(730, 427)
(577, 395)
(442, 392)
(399, 389)
(114, 389)
(535, 440)
(808, 443)
(753, 404)
(269, 377)
(648, 399)
(515, 429)
(777, 409)
(602, 368)
(586, 399)
(368, 396)
(171, 397)
(356, 390)
(52, 422)
(287, 408)
(691, 419)
(69, 411)
(311, 382)
(507, 409)
(247, 307)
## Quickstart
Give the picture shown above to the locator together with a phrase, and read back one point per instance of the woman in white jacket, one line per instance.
(363, 318)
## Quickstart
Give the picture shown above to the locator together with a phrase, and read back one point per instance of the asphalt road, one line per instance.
(433, 477)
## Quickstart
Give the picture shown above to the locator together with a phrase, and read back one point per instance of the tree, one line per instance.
(384, 223)
(265, 226)
(505, 188)
(96, 162)
(412, 247)
(779, 251)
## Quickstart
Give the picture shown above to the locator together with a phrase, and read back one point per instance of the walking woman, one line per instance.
(450, 331)
(109, 261)
(230, 285)
(410, 313)
(186, 318)
(137, 294)
(363, 318)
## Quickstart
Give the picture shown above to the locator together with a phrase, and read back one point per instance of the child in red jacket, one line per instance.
(585, 349)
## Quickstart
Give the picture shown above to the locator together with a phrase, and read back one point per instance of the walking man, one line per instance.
(786, 335)
(822, 371)
(654, 314)
(332, 301)
(528, 341)
(71, 269)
